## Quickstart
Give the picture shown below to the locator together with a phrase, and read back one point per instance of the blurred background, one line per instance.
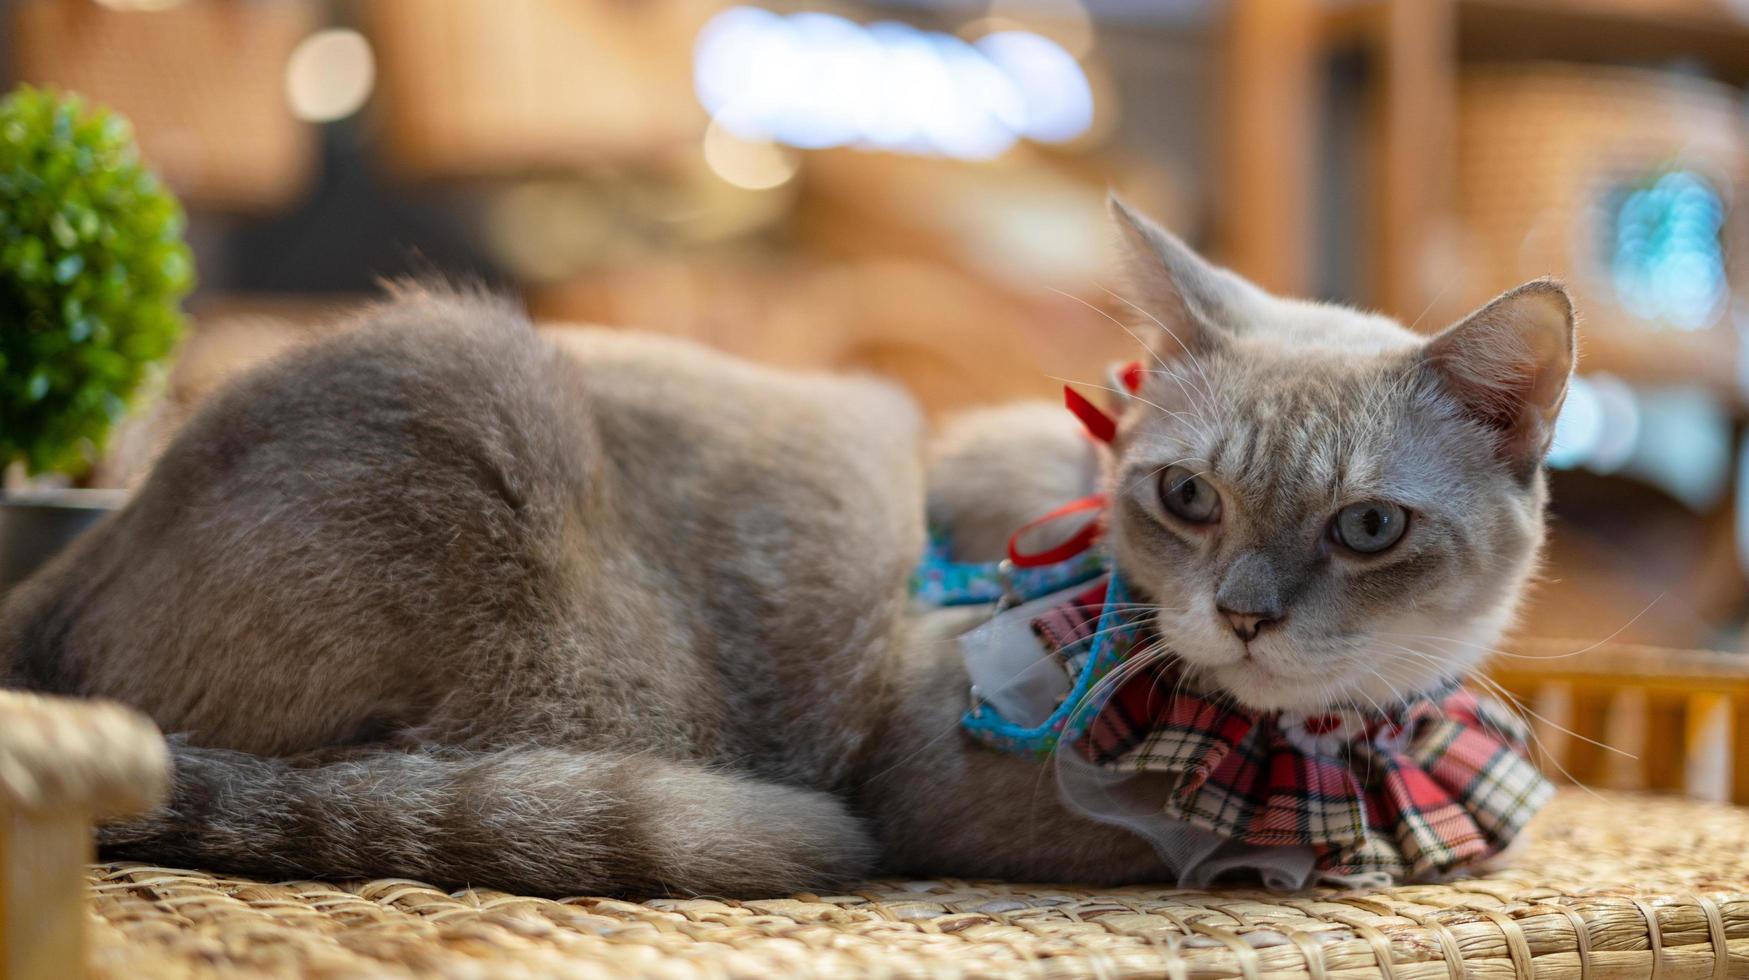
(915, 188)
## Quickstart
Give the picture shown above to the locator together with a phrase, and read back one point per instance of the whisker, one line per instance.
(1522, 656)
(1169, 332)
(1513, 705)
(1206, 393)
(1163, 467)
(1434, 302)
(1193, 421)
(1516, 705)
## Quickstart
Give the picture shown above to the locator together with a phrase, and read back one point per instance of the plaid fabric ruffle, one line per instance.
(1431, 785)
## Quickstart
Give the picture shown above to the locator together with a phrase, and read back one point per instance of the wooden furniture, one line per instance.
(62, 765)
(202, 81)
(1414, 51)
(1548, 156)
(1264, 208)
(1676, 695)
(476, 90)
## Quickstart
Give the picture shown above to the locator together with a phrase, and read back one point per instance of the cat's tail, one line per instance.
(539, 820)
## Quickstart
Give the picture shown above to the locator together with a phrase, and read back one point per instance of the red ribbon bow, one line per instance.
(1100, 425)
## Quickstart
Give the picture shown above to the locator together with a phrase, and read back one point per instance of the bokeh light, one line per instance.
(1579, 427)
(754, 165)
(329, 75)
(1666, 258)
(816, 80)
(1054, 93)
(139, 5)
(1068, 22)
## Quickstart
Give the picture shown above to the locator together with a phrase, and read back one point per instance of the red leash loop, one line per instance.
(1080, 541)
(1104, 428)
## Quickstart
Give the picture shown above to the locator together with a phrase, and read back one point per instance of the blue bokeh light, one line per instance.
(1665, 251)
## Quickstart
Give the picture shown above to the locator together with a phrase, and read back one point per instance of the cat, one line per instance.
(598, 612)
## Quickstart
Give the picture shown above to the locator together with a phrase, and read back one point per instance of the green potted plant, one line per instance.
(93, 269)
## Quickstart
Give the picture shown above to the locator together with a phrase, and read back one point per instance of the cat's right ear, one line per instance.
(1194, 301)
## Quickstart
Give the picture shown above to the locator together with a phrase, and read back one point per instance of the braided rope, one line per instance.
(90, 757)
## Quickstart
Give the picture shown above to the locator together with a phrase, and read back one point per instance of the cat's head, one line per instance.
(1327, 508)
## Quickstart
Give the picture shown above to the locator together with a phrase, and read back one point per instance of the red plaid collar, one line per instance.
(1430, 785)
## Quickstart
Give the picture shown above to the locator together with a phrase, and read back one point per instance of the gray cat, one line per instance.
(446, 598)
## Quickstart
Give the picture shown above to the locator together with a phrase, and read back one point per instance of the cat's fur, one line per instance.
(445, 598)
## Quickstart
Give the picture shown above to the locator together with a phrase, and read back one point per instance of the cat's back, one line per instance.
(361, 533)
(784, 512)
(434, 373)
(670, 412)
(395, 488)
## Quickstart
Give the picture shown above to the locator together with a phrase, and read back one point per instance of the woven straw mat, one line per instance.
(1609, 888)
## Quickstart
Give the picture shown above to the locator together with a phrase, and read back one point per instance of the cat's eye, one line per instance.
(1189, 497)
(1369, 527)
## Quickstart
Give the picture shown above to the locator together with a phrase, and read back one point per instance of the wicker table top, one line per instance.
(1605, 882)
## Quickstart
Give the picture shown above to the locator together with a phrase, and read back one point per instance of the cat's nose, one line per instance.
(1246, 625)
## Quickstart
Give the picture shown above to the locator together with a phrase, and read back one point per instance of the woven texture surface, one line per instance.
(1625, 886)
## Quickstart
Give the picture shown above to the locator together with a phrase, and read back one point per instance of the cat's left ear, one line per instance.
(1194, 301)
(1508, 364)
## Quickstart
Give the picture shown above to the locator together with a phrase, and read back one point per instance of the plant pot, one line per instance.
(36, 524)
